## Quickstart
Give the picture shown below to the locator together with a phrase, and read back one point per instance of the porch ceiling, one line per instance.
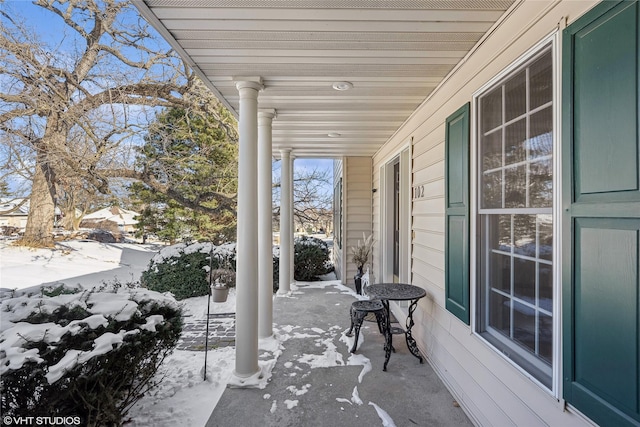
(393, 52)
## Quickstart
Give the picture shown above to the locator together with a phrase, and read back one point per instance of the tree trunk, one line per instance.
(66, 222)
(69, 220)
(41, 210)
(76, 221)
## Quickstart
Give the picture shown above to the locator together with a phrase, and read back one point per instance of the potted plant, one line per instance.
(221, 280)
(360, 256)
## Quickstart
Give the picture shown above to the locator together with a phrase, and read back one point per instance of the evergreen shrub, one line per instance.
(182, 269)
(311, 258)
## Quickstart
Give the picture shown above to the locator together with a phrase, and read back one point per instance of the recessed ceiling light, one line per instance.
(333, 134)
(342, 85)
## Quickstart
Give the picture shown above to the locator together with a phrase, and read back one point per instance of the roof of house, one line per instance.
(7, 205)
(114, 214)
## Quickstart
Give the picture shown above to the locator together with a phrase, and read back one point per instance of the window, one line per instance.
(515, 215)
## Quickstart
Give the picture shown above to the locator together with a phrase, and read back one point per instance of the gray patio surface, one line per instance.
(298, 394)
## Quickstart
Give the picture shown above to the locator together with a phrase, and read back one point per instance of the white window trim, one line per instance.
(554, 40)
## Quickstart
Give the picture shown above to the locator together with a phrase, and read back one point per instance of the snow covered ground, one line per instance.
(83, 262)
(184, 397)
(88, 263)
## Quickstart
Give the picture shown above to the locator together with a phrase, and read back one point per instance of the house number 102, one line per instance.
(418, 191)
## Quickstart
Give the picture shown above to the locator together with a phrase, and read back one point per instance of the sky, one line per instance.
(313, 163)
(309, 164)
(50, 28)
(183, 397)
(39, 17)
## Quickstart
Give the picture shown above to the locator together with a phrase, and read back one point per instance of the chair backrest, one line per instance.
(365, 281)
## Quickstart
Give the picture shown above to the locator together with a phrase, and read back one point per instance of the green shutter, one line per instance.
(601, 214)
(457, 214)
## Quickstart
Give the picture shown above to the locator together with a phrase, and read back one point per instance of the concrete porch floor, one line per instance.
(303, 392)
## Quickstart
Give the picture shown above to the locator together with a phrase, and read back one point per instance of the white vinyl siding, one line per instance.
(492, 391)
(356, 175)
(338, 226)
(357, 207)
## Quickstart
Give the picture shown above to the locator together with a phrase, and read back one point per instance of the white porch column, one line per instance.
(286, 229)
(247, 250)
(292, 277)
(265, 222)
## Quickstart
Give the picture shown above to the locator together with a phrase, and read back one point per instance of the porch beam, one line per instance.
(247, 250)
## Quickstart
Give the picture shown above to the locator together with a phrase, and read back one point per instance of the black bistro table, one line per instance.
(386, 292)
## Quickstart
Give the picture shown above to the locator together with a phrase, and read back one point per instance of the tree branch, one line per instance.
(225, 203)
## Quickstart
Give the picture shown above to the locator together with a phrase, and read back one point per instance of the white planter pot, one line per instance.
(220, 293)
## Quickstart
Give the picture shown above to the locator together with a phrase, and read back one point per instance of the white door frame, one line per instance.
(385, 270)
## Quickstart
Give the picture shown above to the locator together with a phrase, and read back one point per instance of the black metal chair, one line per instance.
(363, 308)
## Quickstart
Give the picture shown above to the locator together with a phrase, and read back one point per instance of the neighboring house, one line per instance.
(124, 219)
(12, 217)
(492, 148)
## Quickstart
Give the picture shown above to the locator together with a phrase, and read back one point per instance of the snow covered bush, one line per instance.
(311, 258)
(83, 353)
(182, 269)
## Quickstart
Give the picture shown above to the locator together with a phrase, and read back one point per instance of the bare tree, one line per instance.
(75, 199)
(68, 105)
(312, 196)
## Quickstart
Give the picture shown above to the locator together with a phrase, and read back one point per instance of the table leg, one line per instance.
(388, 337)
(411, 343)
